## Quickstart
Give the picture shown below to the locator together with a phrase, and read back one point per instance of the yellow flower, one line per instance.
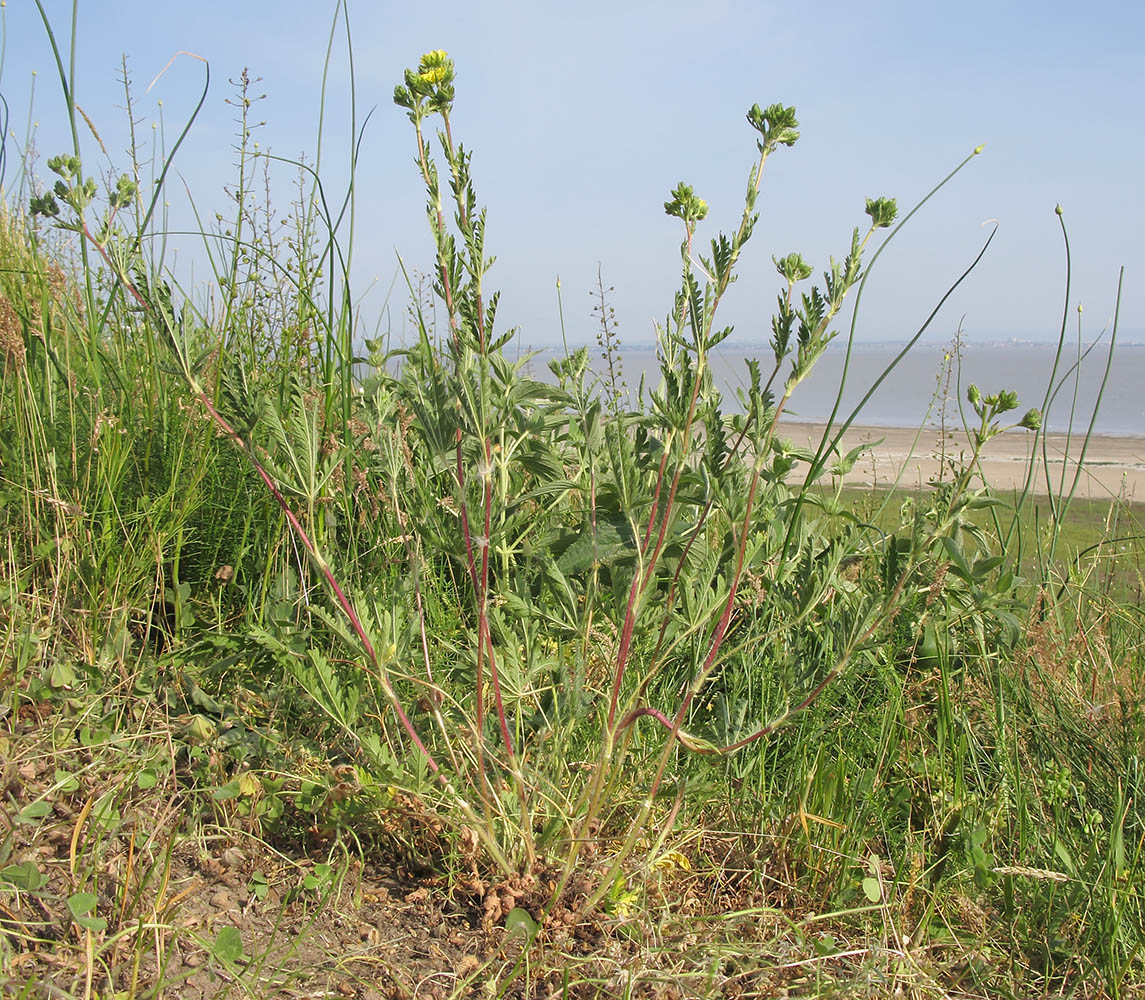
(435, 67)
(672, 860)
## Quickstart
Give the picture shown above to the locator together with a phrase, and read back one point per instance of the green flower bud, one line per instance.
(793, 267)
(685, 205)
(777, 124)
(1007, 401)
(882, 211)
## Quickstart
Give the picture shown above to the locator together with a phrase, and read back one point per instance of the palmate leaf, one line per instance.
(294, 447)
(566, 613)
(579, 550)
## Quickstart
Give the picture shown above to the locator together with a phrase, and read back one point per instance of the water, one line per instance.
(904, 398)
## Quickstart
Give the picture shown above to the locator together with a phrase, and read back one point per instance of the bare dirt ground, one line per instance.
(1114, 466)
(112, 887)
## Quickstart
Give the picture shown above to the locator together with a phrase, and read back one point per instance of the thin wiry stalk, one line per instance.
(1096, 407)
(827, 448)
(1040, 434)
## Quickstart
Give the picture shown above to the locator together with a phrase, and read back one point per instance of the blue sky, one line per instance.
(583, 115)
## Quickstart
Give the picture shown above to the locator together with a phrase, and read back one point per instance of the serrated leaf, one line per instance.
(613, 541)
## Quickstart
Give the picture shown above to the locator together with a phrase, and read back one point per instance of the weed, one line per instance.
(611, 662)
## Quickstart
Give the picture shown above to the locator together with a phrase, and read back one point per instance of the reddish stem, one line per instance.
(247, 449)
(484, 620)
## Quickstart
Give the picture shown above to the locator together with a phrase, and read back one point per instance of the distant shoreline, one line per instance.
(917, 391)
(1114, 464)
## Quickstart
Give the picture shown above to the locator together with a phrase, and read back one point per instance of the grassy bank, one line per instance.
(584, 696)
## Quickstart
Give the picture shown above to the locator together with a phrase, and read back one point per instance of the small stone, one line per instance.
(223, 899)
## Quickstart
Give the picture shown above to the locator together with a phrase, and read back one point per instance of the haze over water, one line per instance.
(912, 390)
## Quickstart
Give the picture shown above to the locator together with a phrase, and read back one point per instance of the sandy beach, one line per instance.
(1114, 465)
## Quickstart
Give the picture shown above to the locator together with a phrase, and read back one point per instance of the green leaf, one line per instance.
(954, 550)
(23, 876)
(847, 462)
(62, 675)
(1065, 857)
(882, 211)
(146, 778)
(33, 811)
(228, 946)
(104, 814)
(259, 886)
(613, 540)
(556, 487)
(521, 920)
(872, 890)
(66, 782)
(205, 701)
(826, 945)
(83, 903)
(984, 566)
(982, 502)
(230, 790)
